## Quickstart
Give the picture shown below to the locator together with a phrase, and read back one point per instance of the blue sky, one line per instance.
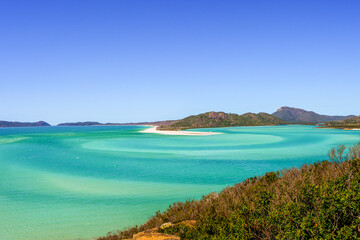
(122, 61)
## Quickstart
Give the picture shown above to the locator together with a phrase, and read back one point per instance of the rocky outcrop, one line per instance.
(154, 234)
(217, 116)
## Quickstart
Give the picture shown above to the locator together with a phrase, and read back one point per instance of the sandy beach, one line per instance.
(153, 129)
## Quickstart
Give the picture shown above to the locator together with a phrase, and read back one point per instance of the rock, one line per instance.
(166, 225)
(152, 234)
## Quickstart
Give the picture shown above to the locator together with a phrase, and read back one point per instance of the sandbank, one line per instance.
(153, 129)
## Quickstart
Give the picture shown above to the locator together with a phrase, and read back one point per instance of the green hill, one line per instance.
(221, 119)
(347, 123)
(316, 201)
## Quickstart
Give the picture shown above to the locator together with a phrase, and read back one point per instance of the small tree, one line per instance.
(338, 155)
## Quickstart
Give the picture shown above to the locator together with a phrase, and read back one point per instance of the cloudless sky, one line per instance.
(132, 60)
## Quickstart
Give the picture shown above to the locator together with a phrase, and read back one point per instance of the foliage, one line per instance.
(221, 119)
(347, 123)
(316, 201)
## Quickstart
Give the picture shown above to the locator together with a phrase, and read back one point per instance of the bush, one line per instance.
(320, 200)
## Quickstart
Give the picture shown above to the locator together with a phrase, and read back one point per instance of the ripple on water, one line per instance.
(79, 183)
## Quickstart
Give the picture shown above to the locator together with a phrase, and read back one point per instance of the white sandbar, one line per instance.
(153, 129)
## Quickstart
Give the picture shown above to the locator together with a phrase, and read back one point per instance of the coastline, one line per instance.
(341, 128)
(153, 129)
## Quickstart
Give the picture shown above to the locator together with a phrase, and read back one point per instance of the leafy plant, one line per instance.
(316, 201)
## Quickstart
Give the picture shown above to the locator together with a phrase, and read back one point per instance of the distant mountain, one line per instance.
(221, 119)
(80, 124)
(157, 123)
(23, 124)
(297, 115)
(347, 123)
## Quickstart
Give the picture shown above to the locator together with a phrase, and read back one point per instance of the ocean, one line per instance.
(67, 183)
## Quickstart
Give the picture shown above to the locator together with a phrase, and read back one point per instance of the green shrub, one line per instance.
(316, 201)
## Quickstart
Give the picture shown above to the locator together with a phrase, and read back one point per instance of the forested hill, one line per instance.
(221, 119)
(347, 123)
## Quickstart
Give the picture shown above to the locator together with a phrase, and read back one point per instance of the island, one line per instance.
(284, 115)
(347, 124)
(76, 124)
(297, 115)
(24, 124)
(221, 119)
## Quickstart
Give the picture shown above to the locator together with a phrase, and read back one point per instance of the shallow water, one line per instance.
(82, 182)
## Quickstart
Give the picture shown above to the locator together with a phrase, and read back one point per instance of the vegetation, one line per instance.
(23, 124)
(347, 123)
(81, 124)
(297, 115)
(221, 119)
(316, 201)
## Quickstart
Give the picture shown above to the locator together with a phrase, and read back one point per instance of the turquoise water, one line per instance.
(81, 182)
